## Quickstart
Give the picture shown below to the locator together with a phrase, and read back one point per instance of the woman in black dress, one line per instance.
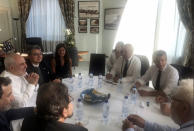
(61, 63)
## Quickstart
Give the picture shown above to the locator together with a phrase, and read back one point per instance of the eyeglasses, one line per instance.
(71, 99)
(37, 54)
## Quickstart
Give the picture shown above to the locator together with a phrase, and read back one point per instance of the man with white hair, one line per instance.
(116, 53)
(163, 76)
(182, 112)
(128, 66)
(23, 85)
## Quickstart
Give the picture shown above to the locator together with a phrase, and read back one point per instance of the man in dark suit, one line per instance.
(6, 98)
(38, 65)
(54, 106)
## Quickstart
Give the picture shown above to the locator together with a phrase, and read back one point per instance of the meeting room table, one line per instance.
(92, 118)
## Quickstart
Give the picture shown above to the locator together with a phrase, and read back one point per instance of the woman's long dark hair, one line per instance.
(57, 57)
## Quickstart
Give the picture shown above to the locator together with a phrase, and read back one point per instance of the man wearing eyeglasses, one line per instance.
(37, 65)
(54, 106)
(182, 112)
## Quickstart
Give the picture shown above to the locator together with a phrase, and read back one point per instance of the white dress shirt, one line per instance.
(133, 71)
(168, 80)
(21, 89)
(111, 60)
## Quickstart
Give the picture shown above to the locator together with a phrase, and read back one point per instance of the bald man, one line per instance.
(128, 66)
(23, 85)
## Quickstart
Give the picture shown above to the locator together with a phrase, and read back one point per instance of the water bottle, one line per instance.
(100, 81)
(134, 95)
(71, 84)
(125, 108)
(119, 85)
(79, 80)
(105, 114)
(91, 80)
(79, 111)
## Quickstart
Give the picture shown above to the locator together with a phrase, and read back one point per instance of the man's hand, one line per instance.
(108, 76)
(32, 78)
(137, 120)
(138, 84)
(115, 79)
(127, 124)
(144, 93)
(161, 99)
(165, 108)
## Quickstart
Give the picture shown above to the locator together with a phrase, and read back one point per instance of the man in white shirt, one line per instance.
(163, 76)
(182, 112)
(128, 66)
(116, 53)
(23, 85)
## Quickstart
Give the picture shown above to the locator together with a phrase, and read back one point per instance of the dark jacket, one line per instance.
(45, 73)
(34, 124)
(7, 116)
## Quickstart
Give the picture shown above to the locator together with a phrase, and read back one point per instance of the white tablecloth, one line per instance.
(93, 113)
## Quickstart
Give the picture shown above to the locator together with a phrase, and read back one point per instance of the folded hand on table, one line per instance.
(161, 99)
(165, 108)
(108, 76)
(127, 124)
(144, 93)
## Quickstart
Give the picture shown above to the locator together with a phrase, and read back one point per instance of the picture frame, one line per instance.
(89, 9)
(82, 29)
(112, 18)
(82, 22)
(94, 22)
(94, 30)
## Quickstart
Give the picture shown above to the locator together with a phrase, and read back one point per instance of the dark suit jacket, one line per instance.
(46, 72)
(34, 124)
(7, 116)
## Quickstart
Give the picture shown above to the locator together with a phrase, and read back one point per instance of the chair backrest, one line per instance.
(31, 41)
(73, 54)
(144, 63)
(97, 64)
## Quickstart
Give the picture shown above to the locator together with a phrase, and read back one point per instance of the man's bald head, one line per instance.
(127, 51)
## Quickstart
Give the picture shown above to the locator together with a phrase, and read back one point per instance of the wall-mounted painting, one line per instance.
(94, 22)
(88, 9)
(94, 29)
(112, 18)
(82, 22)
(82, 29)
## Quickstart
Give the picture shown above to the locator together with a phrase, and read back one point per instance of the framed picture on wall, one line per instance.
(94, 29)
(82, 22)
(82, 29)
(112, 18)
(88, 9)
(94, 22)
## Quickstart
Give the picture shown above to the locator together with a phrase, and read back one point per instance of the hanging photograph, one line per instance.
(88, 9)
(82, 29)
(82, 22)
(94, 29)
(112, 18)
(94, 22)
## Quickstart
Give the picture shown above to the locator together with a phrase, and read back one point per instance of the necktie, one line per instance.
(125, 69)
(157, 87)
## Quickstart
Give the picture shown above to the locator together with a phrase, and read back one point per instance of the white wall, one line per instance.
(108, 36)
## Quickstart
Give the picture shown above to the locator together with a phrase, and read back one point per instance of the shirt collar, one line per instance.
(187, 124)
(35, 65)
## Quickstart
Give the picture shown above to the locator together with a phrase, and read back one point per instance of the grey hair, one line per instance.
(129, 47)
(158, 53)
(185, 92)
(9, 61)
(119, 46)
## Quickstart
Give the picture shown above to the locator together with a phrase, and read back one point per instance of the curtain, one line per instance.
(153, 25)
(46, 21)
(24, 9)
(67, 9)
(185, 11)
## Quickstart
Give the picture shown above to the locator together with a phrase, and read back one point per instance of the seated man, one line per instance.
(182, 112)
(23, 85)
(163, 76)
(6, 98)
(37, 65)
(54, 106)
(116, 53)
(127, 66)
